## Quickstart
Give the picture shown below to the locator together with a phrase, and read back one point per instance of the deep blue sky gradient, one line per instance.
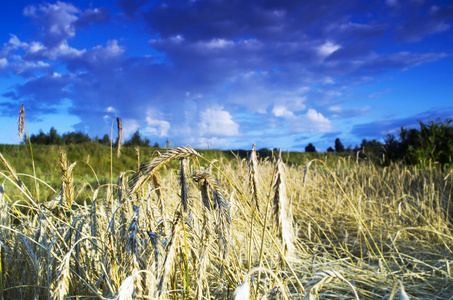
(226, 74)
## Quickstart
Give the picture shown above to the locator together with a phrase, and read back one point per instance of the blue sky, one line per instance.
(226, 74)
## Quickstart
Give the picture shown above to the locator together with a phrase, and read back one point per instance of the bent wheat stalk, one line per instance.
(148, 169)
(324, 277)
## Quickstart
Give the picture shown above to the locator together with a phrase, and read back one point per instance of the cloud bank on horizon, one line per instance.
(229, 74)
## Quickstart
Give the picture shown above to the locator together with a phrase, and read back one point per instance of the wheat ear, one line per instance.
(120, 136)
(21, 121)
(223, 218)
(148, 169)
(127, 288)
(253, 178)
(184, 190)
(281, 207)
(67, 188)
(62, 287)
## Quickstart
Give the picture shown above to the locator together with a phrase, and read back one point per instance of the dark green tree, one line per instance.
(338, 146)
(310, 148)
(136, 140)
(105, 140)
(330, 149)
(54, 137)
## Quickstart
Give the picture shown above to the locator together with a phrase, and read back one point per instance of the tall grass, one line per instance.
(181, 226)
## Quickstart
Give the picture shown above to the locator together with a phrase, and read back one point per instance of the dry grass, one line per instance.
(243, 229)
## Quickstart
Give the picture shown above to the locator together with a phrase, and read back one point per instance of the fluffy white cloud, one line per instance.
(3, 62)
(130, 126)
(281, 111)
(317, 122)
(155, 126)
(56, 20)
(217, 122)
(327, 49)
(311, 122)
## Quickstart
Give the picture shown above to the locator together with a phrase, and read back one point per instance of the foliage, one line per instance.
(310, 148)
(137, 140)
(432, 143)
(338, 146)
(71, 138)
(53, 138)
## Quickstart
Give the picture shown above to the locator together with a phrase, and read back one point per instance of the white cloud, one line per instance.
(3, 62)
(57, 20)
(36, 47)
(155, 126)
(130, 126)
(335, 108)
(281, 111)
(327, 49)
(217, 122)
(311, 121)
(177, 39)
(218, 43)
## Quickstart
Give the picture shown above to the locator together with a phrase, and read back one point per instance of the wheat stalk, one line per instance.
(223, 218)
(281, 207)
(170, 255)
(132, 249)
(67, 188)
(21, 121)
(323, 277)
(148, 169)
(11, 170)
(62, 281)
(184, 190)
(120, 136)
(127, 288)
(253, 178)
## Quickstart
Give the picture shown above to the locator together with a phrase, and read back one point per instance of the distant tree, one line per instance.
(432, 143)
(373, 150)
(40, 139)
(136, 140)
(54, 137)
(105, 140)
(156, 145)
(264, 152)
(75, 138)
(310, 148)
(330, 149)
(338, 146)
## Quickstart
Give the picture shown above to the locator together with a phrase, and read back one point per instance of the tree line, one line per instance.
(70, 138)
(432, 143)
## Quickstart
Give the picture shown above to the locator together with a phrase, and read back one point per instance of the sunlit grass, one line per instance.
(359, 228)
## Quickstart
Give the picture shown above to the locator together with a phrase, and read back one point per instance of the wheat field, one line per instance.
(182, 227)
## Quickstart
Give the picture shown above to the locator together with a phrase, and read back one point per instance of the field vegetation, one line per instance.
(186, 224)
